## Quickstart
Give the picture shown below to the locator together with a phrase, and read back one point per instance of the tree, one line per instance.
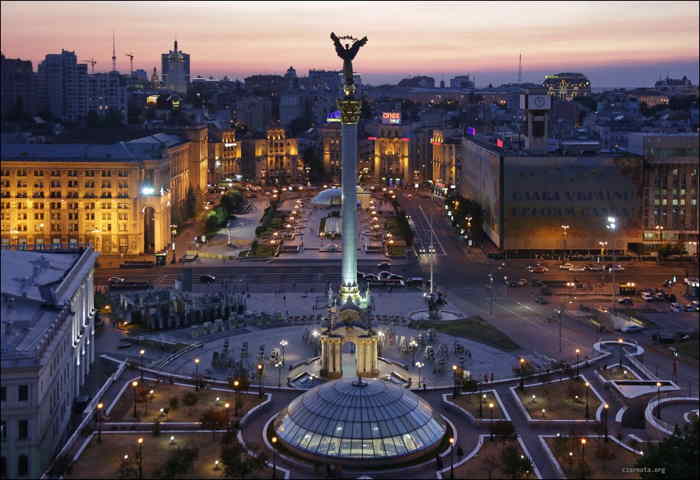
(179, 462)
(237, 463)
(674, 457)
(213, 419)
(514, 464)
(491, 464)
(312, 160)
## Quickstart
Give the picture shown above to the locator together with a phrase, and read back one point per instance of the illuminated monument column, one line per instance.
(350, 115)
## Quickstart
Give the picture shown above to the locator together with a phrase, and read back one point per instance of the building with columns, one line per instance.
(444, 162)
(48, 347)
(224, 154)
(391, 154)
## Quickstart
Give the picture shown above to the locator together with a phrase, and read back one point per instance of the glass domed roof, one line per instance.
(372, 419)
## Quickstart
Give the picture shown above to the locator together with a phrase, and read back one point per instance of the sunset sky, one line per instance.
(613, 43)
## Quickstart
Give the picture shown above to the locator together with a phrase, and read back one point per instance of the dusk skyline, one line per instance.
(614, 44)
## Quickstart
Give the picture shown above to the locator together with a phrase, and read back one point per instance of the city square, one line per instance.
(332, 276)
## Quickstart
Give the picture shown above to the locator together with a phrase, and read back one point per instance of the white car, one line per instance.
(566, 266)
(676, 307)
(595, 268)
(648, 297)
(617, 268)
(631, 328)
(577, 268)
(116, 280)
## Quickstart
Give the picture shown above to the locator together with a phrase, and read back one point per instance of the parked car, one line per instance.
(616, 268)
(415, 281)
(577, 268)
(595, 268)
(625, 301)
(692, 308)
(371, 277)
(648, 297)
(384, 266)
(565, 266)
(522, 282)
(541, 300)
(116, 280)
(512, 283)
(207, 278)
(188, 258)
(676, 307)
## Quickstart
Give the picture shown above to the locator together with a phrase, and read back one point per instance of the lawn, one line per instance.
(601, 459)
(470, 402)
(489, 462)
(473, 328)
(561, 400)
(617, 373)
(103, 460)
(124, 409)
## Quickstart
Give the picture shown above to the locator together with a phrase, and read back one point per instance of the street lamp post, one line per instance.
(141, 352)
(98, 419)
(452, 457)
(420, 370)
(236, 387)
(583, 450)
(228, 421)
(559, 312)
(260, 368)
(196, 371)
(619, 342)
(522, 373)
(134, 384)
(414, 346)
(278, 365)
(493, 294)
(612, 226)
(140, 459)
(274, 458)
(578, 366)
(658, 399)
(491, 408)
(455, 388)
(482, 397)
(587, 411)
(284, 344)
(605, 420)
(565, 233)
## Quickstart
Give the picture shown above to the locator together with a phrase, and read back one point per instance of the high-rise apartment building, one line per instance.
(567, 85)
(107, 92)
(48, 347)
(175, 70)
(63, 86)
(17, 87)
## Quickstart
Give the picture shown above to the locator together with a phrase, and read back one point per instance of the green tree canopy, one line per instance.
(676, 457)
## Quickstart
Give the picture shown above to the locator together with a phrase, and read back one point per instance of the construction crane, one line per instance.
(92, 63)
(131, 63)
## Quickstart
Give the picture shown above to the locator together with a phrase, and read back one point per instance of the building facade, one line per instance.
(107, 93)
(567, 85)
(330, 150)
(391, 158)
(224, 154)
(670, 212)
(117, 198)
(444, 162)
(175, 70)
(17, 87)
(48, 347)
(274, 159)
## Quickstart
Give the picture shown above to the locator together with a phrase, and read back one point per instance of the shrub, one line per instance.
(190, 398)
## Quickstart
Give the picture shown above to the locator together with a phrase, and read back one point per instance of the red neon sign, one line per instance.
(371, 138)
(499, 143)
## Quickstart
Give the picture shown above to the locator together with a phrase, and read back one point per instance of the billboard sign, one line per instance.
(391, 118)
(333, 117)
(471, 131)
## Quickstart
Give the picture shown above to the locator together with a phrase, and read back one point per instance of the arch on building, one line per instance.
(366, 351)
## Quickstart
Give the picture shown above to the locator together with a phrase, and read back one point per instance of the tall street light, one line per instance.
(236, 387)
(414, 346)
(605, 420)
(491, 408)
(564, 233)
(522, 373)
(455, 387)
(578, 365)
(452, 457)
(420, 370)
(278, 365)
(141, 352)
(196, 369)
(134, 384)
(140, 459)
(612, 226)
(284, 344)
(260, 369)
(658, 399)
(588, 415)
(274, 458)
(559, 312)
(619, 343)
(98, 419)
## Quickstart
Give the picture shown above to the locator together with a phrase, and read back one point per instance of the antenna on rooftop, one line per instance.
(520, 68)
(114, 52)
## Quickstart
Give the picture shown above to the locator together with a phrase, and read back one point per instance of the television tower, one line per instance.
(114, 54)
(520, 68)
(131, 64)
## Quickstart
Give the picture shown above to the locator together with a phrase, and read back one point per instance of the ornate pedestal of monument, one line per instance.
(366, 351)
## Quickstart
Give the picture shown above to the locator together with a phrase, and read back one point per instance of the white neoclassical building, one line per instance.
(48, 347)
